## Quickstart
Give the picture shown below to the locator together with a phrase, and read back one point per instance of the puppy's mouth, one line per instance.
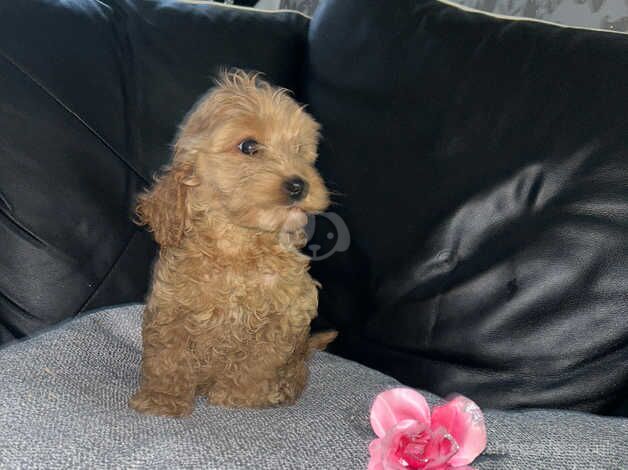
(295, 219)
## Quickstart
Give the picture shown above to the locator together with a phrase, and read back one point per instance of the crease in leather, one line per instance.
(13, 333)
(16, 305)
(448, 254)
(535, 187)
(5, 202)
(131, 93)
(101, 282)
(16, 226)
(72, 113)
(20, 229)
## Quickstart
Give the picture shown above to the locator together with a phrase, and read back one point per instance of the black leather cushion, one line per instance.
(484, 167)
(91, 93)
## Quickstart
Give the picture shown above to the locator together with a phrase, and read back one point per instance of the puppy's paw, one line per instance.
(254, 398)
(160, 404)
(277, 397)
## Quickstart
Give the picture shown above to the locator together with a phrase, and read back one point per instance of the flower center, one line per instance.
(426, 449)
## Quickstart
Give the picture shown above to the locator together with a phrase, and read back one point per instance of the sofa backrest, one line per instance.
(484, 170)
(91, 94)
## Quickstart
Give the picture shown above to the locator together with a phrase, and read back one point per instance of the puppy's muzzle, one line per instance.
(296, 188)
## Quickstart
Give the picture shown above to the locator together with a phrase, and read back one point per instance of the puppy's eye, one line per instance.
(248, 147)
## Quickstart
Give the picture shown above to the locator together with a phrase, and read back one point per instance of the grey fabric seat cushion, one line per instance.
(63, 404)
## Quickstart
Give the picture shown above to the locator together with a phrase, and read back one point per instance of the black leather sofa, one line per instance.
(482, 166)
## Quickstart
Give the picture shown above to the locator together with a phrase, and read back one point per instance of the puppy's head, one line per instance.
(246, 154)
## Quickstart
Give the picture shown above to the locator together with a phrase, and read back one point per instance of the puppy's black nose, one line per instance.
(296, 188)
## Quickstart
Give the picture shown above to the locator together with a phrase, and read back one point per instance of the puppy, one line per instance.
(228, 315)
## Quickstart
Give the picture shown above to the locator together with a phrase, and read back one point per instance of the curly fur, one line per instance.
(228, 315)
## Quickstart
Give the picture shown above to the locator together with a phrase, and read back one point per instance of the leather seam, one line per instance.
(76, 116)
(104, 278)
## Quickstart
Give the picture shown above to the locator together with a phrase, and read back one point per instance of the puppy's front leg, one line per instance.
(272, 371)
(168, 380)
(294, 375)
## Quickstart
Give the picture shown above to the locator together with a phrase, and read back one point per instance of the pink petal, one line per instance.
(375, 450)
(463, 419)
(396, 405)
(375, 464)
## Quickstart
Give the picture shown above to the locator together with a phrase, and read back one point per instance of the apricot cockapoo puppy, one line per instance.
(228, 315)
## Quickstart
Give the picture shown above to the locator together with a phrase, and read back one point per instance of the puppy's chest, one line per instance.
(263, 288)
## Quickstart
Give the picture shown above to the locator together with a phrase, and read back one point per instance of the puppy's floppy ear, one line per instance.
(164, 208)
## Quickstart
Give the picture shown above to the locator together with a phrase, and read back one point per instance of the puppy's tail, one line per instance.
(319, 341)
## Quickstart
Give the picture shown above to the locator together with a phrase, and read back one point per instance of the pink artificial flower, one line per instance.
(410, 438)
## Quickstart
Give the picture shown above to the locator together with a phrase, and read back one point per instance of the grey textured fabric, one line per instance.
(63, 398)
(603, 14)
